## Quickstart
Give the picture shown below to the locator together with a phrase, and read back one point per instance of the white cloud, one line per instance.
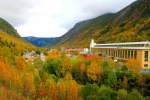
(50, 18)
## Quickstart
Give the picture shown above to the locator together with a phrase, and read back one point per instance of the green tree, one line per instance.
(122, 94)
(147, 98)
(106, 67)
(112, 79)
(93, 97)
(107, 93)
(53, 66)
(38, 51)
(134, 95)
(88, 91)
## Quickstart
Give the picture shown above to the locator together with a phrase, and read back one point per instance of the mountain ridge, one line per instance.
(129, 24)
(41, 41)
(11, 40)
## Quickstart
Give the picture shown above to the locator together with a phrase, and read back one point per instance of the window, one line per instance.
(113, 53)
(145, 65)
(131, 53)
(119, 53)
(146, 56)
(105, 51)
(109, 52)
(124, 55)
(128, 53)
(135, 54)
(116, 53)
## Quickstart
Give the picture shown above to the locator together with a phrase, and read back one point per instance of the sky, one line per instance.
(53, 18)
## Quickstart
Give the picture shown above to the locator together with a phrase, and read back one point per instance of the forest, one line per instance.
(67, 78)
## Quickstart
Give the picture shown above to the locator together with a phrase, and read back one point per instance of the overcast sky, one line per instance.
(53, 18)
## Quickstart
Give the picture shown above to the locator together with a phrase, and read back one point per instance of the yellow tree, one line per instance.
(66, 67)
(68, 89)
(28, 84)
(20, 62)
(94, 71)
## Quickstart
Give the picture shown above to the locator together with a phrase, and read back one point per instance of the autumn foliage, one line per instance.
(68, 78)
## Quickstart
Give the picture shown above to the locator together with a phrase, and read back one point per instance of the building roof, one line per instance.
(121, 47)
(125, 45)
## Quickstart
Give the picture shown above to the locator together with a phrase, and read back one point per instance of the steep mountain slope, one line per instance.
(130, 24)
(11, 41)
(14, 43)
(41, 42)
(7, 28)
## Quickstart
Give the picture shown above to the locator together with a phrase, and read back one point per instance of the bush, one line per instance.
(106, 93)
(106, 67)
(112, 79)
(88, 91)
(52, 66)
(122, 94)
(134, 95)
(147, 98)
(93, 97)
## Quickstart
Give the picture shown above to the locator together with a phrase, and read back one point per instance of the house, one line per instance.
(29, 56)
(42, 57)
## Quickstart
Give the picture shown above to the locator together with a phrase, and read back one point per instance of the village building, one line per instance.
(42, 57)
(123, 52)
(77, 50)
(30, 56)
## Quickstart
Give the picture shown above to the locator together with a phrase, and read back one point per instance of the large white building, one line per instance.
(136, 51)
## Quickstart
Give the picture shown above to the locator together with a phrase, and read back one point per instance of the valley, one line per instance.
(103, 58)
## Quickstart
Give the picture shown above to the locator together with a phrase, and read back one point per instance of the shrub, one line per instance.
(88, 91)
(121, 94)
(134, 95)
(147, 98)
(112, 79)
(106, 93)
(52, 66)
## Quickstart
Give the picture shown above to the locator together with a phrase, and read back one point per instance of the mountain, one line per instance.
(130, 24)
(41, 42)
(10, 41)
(7, 27)
(17, 44)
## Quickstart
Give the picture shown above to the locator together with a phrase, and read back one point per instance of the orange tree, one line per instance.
(94, 71)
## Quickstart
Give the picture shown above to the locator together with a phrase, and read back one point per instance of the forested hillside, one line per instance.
(7, 27)
(11, 46)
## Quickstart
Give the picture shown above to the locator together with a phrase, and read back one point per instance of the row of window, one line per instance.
(145, 55)
(120, 53)
(146, 58)
(126, 54)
